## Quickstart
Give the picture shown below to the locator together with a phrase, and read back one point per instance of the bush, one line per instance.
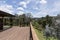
(35, 24)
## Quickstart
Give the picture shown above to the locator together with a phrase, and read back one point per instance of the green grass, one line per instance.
(40, 35)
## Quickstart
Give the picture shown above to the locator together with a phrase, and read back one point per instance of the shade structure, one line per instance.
(2, 15)
(5, 14)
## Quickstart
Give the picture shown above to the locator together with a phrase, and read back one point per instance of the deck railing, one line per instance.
(33, 33)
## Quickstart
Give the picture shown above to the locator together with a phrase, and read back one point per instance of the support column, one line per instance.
(1, 24)
(11, 21)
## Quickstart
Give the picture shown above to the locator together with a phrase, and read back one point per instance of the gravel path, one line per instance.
(16, 33)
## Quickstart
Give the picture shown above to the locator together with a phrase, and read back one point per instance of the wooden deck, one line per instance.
(16, 33)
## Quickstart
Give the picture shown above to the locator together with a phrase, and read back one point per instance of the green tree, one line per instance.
(49, 20)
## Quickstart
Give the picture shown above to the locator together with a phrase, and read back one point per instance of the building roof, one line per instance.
(5, 14)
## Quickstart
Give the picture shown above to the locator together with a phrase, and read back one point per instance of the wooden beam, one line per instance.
(1, 24)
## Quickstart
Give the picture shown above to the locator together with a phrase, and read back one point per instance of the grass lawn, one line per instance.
(40, 35)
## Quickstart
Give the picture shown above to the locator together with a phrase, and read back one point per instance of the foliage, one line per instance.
(45, 20)
(35, 24)
(49, 20)
(41, 36)
(24, 20)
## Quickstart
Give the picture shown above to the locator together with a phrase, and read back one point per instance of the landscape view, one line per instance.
(29, 19)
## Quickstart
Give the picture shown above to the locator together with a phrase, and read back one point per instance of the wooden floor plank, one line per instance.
(16, 33)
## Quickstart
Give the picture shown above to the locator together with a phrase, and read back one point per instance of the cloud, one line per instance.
(55, 10)
(42, 13)
(20, 12)
(43, 1)
(38, 8)
(35, 8)
(52, 10)
(20, 8)
(7, 8)
(24, 4)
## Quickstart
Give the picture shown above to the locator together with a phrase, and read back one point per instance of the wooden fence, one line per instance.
(33, 33)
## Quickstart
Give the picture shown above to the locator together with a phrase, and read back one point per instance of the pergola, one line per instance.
(4, 14)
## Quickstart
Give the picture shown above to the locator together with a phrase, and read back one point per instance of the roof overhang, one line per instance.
(5, 14)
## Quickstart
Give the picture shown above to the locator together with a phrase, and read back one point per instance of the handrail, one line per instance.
(34, 36)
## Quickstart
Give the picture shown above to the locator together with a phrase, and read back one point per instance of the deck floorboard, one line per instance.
(16, 33)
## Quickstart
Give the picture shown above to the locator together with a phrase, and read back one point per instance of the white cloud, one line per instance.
(51, 10)
(7, 8)
(42, 13)
(24, 4)
(20, 12)
(43, 1)
(20, 8)
(35, 7)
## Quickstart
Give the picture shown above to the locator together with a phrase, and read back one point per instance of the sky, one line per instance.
(38, 8)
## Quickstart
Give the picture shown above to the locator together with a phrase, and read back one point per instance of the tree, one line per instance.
(16, 20)
(29, 15)
(49, 20)
(25, 19)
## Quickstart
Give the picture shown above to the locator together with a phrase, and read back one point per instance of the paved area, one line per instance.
(16, 33)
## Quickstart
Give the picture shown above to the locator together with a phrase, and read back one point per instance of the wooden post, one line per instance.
(11, 21)
(1, 24)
